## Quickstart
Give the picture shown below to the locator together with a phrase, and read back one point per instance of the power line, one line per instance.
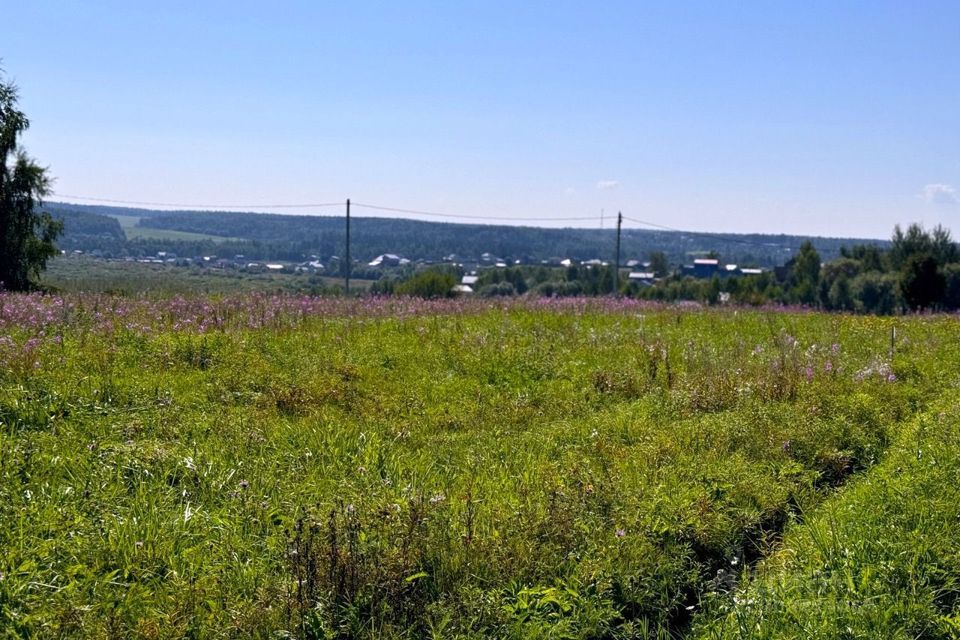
(469, 217)
(707, 234)
(452, 216)
(650, 224)
(202, 206)
(324, 205)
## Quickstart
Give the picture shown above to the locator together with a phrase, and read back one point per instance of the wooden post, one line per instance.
(616, 261)
(346, 273)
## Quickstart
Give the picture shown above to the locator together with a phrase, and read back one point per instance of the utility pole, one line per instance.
(616, 262)
(346, 273)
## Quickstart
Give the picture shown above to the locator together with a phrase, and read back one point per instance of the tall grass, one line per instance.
(423, 470)
(878, 560)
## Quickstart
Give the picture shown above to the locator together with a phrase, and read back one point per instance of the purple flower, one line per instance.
(621, 533)
(808, 372)
(892, 377)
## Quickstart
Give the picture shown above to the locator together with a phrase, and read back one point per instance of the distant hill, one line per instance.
(294, 237)
(88, 231)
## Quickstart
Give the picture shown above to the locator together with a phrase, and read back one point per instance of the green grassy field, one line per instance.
(131, 227)
(877, 560)
(286, 467)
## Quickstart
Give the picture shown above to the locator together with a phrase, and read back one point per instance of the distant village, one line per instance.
(640, 272)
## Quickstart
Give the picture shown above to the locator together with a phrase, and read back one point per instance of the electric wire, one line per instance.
(469, 217)
(707, 234)
(452, 216)
(437, 214)
(203, 206)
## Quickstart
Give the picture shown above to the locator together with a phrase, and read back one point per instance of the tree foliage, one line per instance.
(921, 256)
(431, 283)
(875, 292)
(804, 277)
(937, 243)
(921, 282)
(659, 263)
(26, 234)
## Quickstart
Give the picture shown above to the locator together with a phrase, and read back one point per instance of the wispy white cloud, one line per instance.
(608, 184)
(942, 194)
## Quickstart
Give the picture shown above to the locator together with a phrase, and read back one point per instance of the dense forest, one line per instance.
(295, 237)
(87, 231)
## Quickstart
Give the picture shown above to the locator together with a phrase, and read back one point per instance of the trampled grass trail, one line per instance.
(294, 467)
(878, 560)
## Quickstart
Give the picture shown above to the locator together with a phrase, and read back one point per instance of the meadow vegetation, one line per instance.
(133, 230)
(283, 466)
(81, 273)
(878, 560)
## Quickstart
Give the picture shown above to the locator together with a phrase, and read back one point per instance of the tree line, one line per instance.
(920, 270)
(297, 237)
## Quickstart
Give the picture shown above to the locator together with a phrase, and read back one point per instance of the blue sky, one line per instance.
(828, 118)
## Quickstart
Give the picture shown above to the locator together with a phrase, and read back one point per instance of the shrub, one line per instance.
(431, 283)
